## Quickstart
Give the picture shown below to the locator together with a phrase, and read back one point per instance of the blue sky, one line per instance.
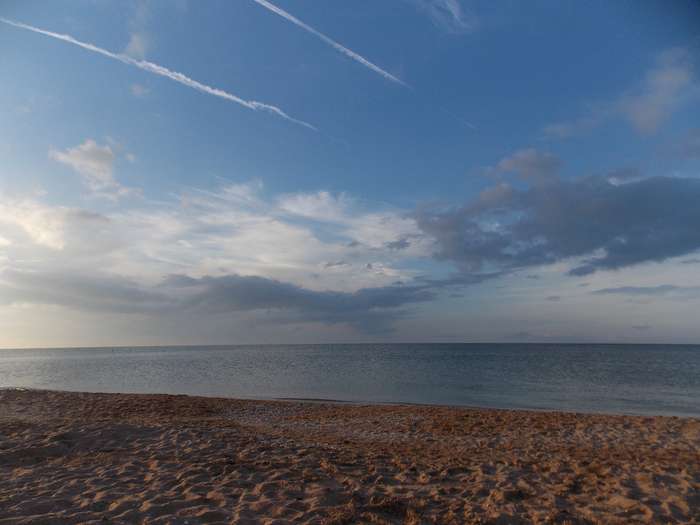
(468, 171)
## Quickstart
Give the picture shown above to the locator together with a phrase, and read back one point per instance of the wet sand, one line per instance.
(118, 458)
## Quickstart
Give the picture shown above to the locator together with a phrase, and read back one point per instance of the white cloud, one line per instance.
(275, 238)
(377, 230)
(211, 233)
(137, 46)
(117, 263)
(665, 88)
(139, 39)
(29, 221)
(95, 164)
(139, 90)
(242, 193)
(663, 91)
(322, 205)
(374, 230)
(449, 15)
(41, 225)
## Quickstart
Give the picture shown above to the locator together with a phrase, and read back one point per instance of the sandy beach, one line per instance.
(117, 458)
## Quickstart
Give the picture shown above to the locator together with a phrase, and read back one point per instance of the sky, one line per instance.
(296, 171)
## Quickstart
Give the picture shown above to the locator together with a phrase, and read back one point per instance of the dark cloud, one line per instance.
(554, 298)
(608, 225)
(458, 280)
(370, 309)
(613, 225)
(95, 293)
(334, 264)
(663, 289)
(689, 146)
(399, 244)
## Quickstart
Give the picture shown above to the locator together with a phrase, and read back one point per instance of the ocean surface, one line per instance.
(629, 379)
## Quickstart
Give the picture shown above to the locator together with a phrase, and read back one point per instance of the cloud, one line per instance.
(45, 226)
(25, 221)
(689, 146)
(399, 244)
(164, 72)
(449, 15)
(88, 292)
(622, 175)
(369, 309)
(234, 252)
(335, 45)
(139, 39)
(139, 90)
(137, 46)
(376, 230)
(335, 264)
(650, 291)
(596, 115)
(665, 88)
(530, 165)
(611, 226)
(231, 250)
(230, 229)
(328, 261)
(94, 163)
(322, 205)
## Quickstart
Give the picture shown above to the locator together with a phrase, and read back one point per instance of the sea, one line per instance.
(600, 378)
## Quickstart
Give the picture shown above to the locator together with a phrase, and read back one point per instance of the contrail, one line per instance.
(338, 47)
(164, 72)
(347, 52)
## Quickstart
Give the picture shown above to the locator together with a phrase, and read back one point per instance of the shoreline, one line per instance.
(350, 402)
(68, 457)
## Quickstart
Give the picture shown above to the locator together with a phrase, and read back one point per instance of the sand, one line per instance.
(116, 458)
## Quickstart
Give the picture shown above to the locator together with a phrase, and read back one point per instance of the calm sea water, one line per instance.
(636, 379)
